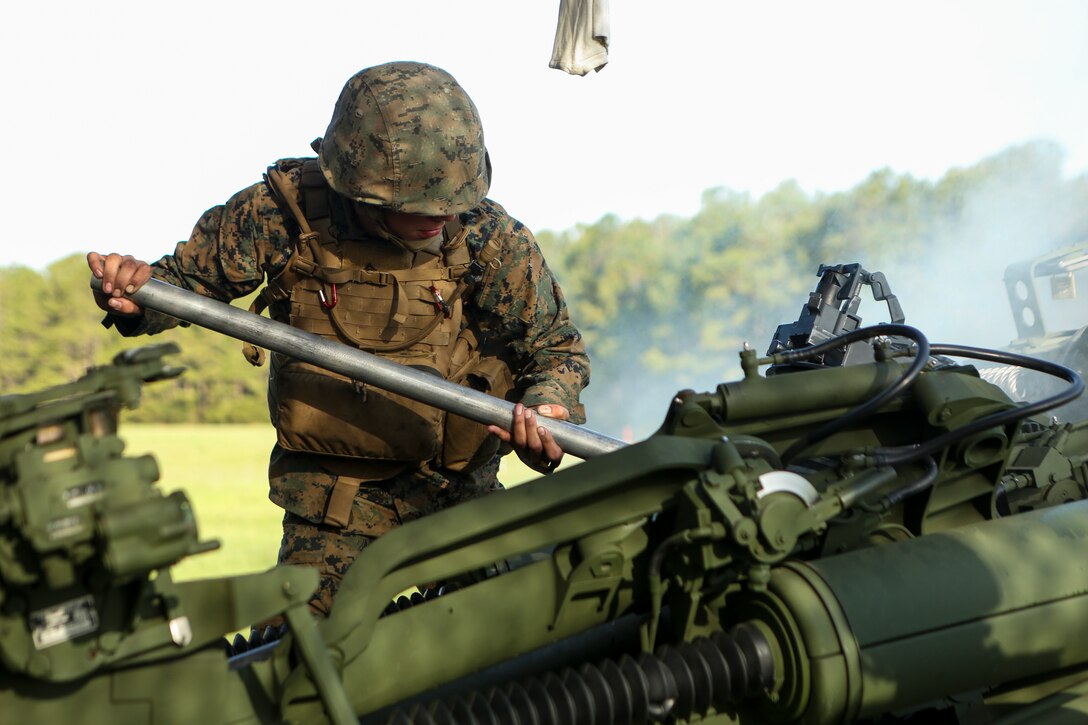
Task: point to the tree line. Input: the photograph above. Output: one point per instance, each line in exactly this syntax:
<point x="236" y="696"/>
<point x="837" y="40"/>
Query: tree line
<point x="664" y="304"/>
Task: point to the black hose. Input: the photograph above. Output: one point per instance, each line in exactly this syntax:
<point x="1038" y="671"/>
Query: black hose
<point x="870" y="406"/>
<point x="895" y="456"/>
<point x="999" y="494"/>
<point x="906" y="491"/>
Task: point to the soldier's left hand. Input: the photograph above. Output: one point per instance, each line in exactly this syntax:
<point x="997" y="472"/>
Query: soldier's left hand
<point x="532" y="442"/>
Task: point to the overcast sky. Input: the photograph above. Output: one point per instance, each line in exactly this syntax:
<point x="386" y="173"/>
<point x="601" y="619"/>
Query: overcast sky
<point x="123" y="121"/>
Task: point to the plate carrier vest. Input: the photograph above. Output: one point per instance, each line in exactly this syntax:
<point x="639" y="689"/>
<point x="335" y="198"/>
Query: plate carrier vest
<point x="413" y="316"/>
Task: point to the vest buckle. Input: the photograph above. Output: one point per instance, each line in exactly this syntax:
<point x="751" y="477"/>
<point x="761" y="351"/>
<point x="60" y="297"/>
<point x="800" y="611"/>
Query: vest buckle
<point x="440" y="305"/>
<point x="324" y="301"/>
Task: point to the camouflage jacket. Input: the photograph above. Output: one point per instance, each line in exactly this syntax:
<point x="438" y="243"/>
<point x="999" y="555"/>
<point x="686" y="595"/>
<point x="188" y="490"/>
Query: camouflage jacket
<point x="518" y="305"/>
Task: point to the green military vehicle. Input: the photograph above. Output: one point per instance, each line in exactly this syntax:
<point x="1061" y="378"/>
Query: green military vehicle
<point x="860" y="529"/>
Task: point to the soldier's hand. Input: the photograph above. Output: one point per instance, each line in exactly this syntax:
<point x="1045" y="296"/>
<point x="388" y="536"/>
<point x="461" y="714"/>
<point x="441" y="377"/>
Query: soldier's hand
<point x="532" y="442"/>
<point x="120" y="274"/>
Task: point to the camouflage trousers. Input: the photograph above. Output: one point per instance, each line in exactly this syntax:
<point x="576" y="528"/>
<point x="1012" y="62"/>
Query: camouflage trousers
<point x="310" y="539"/>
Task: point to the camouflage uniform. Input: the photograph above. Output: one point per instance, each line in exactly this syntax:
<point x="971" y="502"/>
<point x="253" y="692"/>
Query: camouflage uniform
<point x="517" y="308"/>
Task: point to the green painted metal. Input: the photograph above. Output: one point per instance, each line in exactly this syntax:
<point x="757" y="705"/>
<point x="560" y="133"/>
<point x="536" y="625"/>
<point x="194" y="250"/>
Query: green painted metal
<point x="881" y="629"/>
<point x="1004" y="597"/>
<point x="692" y="577"/>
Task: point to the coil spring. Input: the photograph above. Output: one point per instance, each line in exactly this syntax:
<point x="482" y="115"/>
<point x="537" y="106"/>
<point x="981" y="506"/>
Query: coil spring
<point x="241" y="644"/>
<point x="674" y="682"/>
<point x="258" y="638"/>
<point x="406" y="602"/>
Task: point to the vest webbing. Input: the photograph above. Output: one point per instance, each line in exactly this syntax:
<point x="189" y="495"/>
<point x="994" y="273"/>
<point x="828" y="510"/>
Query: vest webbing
<point x="410" y="335"/>
<point x="408" y="309"/>
<point x="310" y="259"/>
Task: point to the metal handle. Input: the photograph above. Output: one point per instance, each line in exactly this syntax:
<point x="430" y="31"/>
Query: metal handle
<point x="356" y="364"/>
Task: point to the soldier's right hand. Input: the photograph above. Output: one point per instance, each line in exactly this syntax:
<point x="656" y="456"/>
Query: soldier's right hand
<point x="120" y="274"/>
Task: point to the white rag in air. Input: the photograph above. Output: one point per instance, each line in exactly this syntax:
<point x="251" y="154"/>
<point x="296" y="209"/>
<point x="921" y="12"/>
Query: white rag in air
<point x="581" y="38"/>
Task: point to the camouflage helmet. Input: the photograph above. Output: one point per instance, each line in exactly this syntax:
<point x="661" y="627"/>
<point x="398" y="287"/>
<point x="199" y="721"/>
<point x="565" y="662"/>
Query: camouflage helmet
<point x="405" y="136"/>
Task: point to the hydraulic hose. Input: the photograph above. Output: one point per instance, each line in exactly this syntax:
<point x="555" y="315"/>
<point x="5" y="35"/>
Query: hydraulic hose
<point x="894" y="456"/>
<point x="921" y="358"/>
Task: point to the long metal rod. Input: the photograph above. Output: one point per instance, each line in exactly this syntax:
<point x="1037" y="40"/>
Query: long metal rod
<point x="356" y="364"/>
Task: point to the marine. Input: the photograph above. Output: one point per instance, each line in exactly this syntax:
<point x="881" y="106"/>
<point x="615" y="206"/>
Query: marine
<point x="385" y="241"/>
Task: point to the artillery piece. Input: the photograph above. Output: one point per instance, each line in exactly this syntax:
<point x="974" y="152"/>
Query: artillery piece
<point x="870" y="533"/>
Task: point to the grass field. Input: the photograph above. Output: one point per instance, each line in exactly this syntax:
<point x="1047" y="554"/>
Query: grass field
<point x="224" y="471"/>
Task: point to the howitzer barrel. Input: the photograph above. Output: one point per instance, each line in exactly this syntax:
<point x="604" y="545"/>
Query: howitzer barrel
<point x="885" y="628"/>
<point x="356" y="364"/>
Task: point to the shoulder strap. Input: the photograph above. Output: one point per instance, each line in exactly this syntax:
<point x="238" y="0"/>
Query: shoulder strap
<point x="304" y="261"/>
<point x="314" y="190"/>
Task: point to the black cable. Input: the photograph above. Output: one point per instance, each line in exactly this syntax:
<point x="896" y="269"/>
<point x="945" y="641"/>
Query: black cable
<point x="999" y="494"/>
<point x="906" y="491"/>
<point x="870" y="406"/>
<point x="915" y="487"/>
<point x="895" y="456"/>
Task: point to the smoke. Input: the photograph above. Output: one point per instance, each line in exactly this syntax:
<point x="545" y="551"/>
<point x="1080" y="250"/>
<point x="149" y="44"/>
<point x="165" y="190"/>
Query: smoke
<point x="1008" y="208"/>
<point x="1012" y="207"/>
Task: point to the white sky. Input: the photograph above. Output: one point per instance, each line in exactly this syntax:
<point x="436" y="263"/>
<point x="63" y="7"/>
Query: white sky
<point x="123" y="121"/>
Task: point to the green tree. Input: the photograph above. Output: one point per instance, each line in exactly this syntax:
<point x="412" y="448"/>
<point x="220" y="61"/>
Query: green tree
<point x="664" y="304"/>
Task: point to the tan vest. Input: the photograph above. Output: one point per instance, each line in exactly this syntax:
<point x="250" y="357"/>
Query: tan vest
<point x="399" y="305"/>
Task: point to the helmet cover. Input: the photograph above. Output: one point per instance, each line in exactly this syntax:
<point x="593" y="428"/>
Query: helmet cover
<point x="405" y="136"/>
